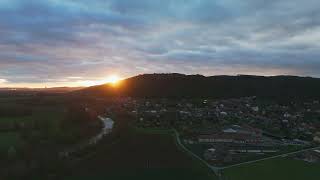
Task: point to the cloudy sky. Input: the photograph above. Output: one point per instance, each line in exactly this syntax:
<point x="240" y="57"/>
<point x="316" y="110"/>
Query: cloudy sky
<point x="80" y="42"/>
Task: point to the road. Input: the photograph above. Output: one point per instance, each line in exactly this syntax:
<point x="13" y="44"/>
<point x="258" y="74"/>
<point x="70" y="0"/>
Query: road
<point x="212" y="168"/>
<point x="217" y="170"/>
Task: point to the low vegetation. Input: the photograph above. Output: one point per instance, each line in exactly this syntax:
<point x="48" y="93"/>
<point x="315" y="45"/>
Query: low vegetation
<point x="280" y="168"/>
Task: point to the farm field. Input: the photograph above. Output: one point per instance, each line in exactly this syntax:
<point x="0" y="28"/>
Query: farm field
<point x="50" y="113"/>
<point x="276" y="169"/>
<point x="45" y="116"/>
<point x="138" y="154"/>
<point x="7" y="140"/>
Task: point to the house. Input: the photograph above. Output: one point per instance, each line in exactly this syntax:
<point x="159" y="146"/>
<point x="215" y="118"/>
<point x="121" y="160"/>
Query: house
<point x="229" y="138"/>
<point x="224" y="113"/>
<point x="244" y="130"/>
<point x="286" y="115"/>
<point x="317" y="138"/>
<point x="312" y="156"/>
<point x="255" y="109"/>
<point x="251" y="130"/>
<point x="229" y="130"/>
<point x="216" y="138"/>
<point x="252" y="149"/>
<point x="209" y="154"/>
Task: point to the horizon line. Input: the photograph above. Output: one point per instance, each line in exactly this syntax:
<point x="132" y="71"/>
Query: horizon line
<point x="44" y="86"/>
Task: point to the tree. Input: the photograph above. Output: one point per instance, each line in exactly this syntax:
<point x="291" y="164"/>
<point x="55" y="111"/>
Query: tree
<point x="12" y="153"/>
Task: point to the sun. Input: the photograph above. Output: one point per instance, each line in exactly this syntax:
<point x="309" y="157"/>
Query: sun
<point x="113" y="79"/>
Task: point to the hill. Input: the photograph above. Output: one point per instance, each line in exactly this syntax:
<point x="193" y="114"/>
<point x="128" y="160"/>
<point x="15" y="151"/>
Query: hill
<point x="196" y="86"/>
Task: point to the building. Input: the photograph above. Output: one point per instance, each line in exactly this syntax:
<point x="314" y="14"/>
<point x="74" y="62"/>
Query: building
<point x="244" y="130"/>
<point x="316" y="139"/>
<point x="209" y="154"/>
<point x="252" y="149"/>
<point x="312" y="156"/>
<point x="230" y="138"/>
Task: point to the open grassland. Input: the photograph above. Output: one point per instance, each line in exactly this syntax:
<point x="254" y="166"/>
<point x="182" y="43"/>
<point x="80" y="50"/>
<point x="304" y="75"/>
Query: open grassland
<point x="142" y="156"/>
<point x="139" y="154"/>
<point x="7" y="140"/>
<point x="276" y="169"/>
<point x="38" y="112"/>
<point x="43" y="119"/>
<point x="146" y="174"/>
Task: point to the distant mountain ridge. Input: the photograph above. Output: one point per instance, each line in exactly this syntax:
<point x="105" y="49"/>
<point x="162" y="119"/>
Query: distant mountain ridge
<point x="196" y="86"/>
<point x="51" y="89"/>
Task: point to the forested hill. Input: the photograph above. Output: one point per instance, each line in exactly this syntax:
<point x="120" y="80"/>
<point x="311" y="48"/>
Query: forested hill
<point x="194" y="86"/>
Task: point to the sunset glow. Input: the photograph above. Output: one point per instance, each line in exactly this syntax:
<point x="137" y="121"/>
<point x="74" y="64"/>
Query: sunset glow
<point x="75" y="43"/>
<point x="112" y="79"/>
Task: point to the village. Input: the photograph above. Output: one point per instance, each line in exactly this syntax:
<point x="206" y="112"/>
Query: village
<point x="225" y="132"/>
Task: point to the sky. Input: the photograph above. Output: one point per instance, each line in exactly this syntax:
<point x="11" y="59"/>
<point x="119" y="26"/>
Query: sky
<point x="80" y="42"/>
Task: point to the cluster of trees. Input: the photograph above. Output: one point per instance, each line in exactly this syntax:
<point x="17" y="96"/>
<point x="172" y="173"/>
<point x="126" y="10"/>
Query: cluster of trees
<point x="80" y="122"/>
<point x="43" y="140"/>
<point x="15" y="111"/>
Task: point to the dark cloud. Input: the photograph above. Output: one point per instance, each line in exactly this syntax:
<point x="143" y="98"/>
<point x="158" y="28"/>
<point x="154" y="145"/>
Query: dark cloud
<point x="48" y="40"/>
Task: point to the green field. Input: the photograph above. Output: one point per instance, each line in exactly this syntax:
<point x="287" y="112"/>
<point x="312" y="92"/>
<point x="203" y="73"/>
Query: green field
<point x="275" y="169"/>
<point x="50" y="115"/>
<point x="45" y="119"/>
<point x="146" y="174"/>
<point x="140" y="154"/>
<point x="7" y="140"/>
<point x="39" y="112"/>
